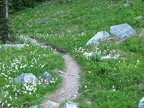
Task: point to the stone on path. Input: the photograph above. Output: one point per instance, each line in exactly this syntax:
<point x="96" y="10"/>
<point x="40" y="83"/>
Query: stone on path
<point x="50" y="104"/>
<point x="99" y="36"/>
<point x="141" y="103"/>
<point x="26" y="78"/>
<point x="70" y="105"/>
<point x="122" y="30"/>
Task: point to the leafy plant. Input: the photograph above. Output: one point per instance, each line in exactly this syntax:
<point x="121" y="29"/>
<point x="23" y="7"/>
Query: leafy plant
<point x="103" y="68"/>
<point x="17" y="5"/>
<point x="95" y="57"/>
<point x="30" y="59"/>
<point x="113" y="83"/>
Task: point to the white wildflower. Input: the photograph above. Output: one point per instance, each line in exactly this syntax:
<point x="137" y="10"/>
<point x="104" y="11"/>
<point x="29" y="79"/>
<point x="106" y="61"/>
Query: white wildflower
<point x="138" y="61"/>
<point x="87" y="54"/>
<point x="113" y="88"/>
<point x="8" y="105"/>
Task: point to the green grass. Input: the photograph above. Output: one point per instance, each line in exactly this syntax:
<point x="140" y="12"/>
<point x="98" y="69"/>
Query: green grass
<point x="30" y="59"/>
<point x="112" y="83"/>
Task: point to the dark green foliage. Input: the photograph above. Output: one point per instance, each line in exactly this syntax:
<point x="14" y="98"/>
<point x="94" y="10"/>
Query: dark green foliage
<point x="134" y="44"/>
<point x="4" y="23"/>
<point x="103" y="68"/>
<point x="63" y="1"/>
<point x="4" y="28"/>
<point x="111" y="83"/>
<point x="17" y="5"/>
<point x="95" y="57"/>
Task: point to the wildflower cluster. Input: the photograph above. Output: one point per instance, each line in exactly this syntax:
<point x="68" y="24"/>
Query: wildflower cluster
<point x="104" y="54"/>
<point x="12" y="93"/>
<point x="30" y="59"/>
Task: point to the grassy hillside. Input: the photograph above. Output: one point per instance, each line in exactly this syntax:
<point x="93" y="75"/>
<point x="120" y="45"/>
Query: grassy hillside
<point x="30" y="59"/>
<point x="112" y="83"/>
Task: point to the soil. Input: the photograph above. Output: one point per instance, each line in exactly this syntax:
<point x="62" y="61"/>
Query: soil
<point x="70" y="84"/>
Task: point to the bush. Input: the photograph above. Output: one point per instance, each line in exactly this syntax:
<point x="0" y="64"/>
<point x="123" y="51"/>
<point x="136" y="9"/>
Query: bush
<point x="17" y="5"/>
<point x="103" y="68"/>
<point x="135" y="44"/>
<point x="95" y="57"/>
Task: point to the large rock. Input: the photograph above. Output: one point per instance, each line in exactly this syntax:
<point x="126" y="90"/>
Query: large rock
<point x="26" y="78"/>
<point x="70" y="105"/>
<point x="46" y="75"/>
<point x="141" y="103"/>
<point x="99" y="36"/>
<point x="122" y="30"/>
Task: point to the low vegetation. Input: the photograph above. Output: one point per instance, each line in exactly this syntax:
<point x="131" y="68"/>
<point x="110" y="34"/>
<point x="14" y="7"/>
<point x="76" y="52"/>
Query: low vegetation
<point x="30" y="59"/>
<point x="111" y="73"/>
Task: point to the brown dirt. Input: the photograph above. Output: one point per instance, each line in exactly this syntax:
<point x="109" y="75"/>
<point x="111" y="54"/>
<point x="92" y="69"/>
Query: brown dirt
<point x="70" y="84"/>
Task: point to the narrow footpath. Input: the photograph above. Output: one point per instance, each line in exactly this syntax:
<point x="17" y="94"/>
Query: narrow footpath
<point x="70" y="85"/>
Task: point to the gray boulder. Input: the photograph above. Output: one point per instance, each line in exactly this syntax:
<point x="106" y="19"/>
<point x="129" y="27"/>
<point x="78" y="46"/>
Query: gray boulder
<point x="46" y="75"/>
<point x="70" y="105"/>
<point x="99" y="36"/>
<point x="141" y="103"/>
<point x="122" y="30"/>
<point x="26" y="78"/>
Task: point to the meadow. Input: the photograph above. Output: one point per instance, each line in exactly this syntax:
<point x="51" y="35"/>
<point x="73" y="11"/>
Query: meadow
<point x="111" y="73"/>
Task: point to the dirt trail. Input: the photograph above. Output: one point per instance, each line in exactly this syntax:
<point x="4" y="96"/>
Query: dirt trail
<point x="70" y="84"/>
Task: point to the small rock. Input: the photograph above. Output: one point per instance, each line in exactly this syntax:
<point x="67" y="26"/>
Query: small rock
<point x="99" y="36"/>
<point x="46" y="75"/>
<point x="122" y="30"/>
<point x="26" y="78"/>
<point x="36" y="106"/>
<point x="12" y="45"/>
<point x="50" y="104"/>
<point x="70" y="105"/>
<point x="126" y="5"/>
<point x="141" y="103"/>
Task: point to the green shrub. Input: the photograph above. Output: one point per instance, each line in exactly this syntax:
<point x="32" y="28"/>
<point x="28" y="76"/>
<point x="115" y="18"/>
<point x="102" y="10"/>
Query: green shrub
<point x="17" y="5"/>
<point x="103" y="68"/>
<point x="95" y="57"/>
<point x="134" y="44"/>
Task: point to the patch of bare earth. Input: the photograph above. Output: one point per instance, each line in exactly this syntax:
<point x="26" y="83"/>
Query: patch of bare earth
<point x="70" y="84"/>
